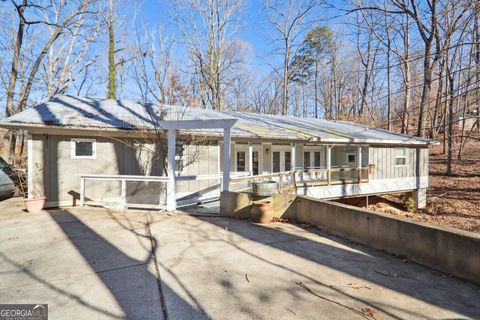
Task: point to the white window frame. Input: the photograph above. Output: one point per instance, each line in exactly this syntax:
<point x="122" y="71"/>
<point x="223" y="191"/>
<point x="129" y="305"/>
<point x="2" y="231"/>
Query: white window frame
<point x="351" y="154"/>
<point x="246" y="159"/>
<point x="312" y="150"/>
<point x="282" y="149"/>
<point x="255" y="147"/>
<point x="310" y="155"/>
<point x="73" y="149"/>
<point x="400" y="157"/>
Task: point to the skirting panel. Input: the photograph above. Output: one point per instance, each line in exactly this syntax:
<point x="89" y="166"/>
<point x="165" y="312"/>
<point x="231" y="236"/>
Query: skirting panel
<point x="372" y="187"/>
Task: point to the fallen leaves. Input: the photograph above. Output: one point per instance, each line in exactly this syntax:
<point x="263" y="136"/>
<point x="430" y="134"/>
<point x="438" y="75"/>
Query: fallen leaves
<point x="370" y="313"/>
<point x="453" y="201"/>
<point x="357" y="286"/>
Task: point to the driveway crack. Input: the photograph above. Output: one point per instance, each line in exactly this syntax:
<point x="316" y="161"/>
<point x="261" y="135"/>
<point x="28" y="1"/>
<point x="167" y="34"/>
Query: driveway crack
<point x="153" y="246"/>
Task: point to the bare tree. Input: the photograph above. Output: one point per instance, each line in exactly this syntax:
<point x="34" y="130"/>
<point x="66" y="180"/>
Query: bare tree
<point x="289" y="19"/>
<point x="69" y="54"/>
<point x="69" y="17"/>
<point x="207" y="29"/>
<point x="112" y="79"/>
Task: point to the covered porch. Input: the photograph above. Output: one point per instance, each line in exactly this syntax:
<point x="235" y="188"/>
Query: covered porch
<point x="299" y="165"/>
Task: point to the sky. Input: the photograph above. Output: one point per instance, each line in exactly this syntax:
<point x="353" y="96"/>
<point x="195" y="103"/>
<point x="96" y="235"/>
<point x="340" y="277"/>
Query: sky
<point x="253" y="28"/>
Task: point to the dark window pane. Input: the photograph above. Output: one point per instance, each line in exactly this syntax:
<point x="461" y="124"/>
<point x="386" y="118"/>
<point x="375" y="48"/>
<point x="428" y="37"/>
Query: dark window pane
<point x="83" y="148"/>
<point x="241" y="161"/>
<point x="255" y="163"/>
<point x="317" y="159"/>
<point x="351" y="158"/>
<point x="306" y="160"/>
<point x="400" y="161"/>
<point x="288" y="161"/>
<point x="276" y="161"/>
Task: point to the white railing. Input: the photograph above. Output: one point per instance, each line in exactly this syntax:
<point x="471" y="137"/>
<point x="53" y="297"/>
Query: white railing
<point x="123" y="193"/>
<point x="185" y="199"/>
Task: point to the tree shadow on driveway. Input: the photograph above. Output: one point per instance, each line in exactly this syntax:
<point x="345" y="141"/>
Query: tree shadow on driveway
<point x="371" y="265"/>
<point x="135" y="288"/>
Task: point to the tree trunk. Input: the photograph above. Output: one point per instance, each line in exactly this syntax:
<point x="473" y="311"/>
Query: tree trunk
<point x="389" y="84"/>
<point x="427" y="85"/>
<point x="111" y="56"/>
<point x="10" y="110"/>
<point x="450" y="123"/>
<point x="316" y="87"/>
<point x="285" y="78"/>
<point x="406" y="78"/>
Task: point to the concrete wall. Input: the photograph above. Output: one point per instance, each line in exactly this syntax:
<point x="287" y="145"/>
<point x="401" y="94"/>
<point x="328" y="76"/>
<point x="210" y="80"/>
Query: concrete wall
<point x="445" y="249"/>
<point x="238" y="205"/>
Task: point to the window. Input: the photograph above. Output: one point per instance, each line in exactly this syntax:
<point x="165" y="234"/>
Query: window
<point x="351" y="157"/>
<point x="276" y="161"/>
<point x="288" y="161"/>
<point x="400" y="156"/>
<point x="255" y="162"/>
<point x="83" y="148"/>
<point x="241" y="161"/>
<point x="317" y="159"/>
<point x="306" y="159"/>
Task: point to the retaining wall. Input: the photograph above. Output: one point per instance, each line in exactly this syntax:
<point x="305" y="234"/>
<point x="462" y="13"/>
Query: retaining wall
<point x="445" y="249"/>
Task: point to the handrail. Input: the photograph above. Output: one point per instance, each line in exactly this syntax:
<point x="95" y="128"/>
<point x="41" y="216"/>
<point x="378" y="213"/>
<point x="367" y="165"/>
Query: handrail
<point x="283" y="173"/>
<point x="123" y="177"/>
<point x="293" y="180"/>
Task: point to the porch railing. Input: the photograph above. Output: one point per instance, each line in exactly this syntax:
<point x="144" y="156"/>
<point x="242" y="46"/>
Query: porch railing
<point x="182" y="199"/>
<point x="290" y="180"/>
<point x="123" y="179"/>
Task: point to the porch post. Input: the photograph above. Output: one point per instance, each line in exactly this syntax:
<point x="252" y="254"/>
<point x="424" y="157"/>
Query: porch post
<point x="250" y="158"/>
<point x="82" y="188"/>
<point x="359" y="163"/>
<point x="293" y="149"/>
<point x="30" y="170"/>
<point x="123" y="197"/>
<point x="171" y="197"/>
<point x="226" y="159"/>
<point x="329" y="163"/>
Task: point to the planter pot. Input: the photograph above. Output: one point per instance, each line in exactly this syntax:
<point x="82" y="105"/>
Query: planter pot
<point x="35" y="205"/>
<point x="262" y="211"/>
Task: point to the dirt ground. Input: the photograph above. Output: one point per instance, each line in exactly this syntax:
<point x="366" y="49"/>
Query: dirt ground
<point x="453" y="201"/>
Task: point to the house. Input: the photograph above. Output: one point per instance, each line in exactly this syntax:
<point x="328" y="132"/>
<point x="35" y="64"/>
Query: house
<point x="469" y="120"/>
<point x="123" y="153"/>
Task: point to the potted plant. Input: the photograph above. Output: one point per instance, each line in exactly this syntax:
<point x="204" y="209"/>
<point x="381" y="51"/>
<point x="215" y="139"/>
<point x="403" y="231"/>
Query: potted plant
<point x="36" y="202"/>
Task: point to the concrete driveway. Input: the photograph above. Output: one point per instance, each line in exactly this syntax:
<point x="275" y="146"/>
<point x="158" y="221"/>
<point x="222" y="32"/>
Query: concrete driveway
<point x="102" y="264"/>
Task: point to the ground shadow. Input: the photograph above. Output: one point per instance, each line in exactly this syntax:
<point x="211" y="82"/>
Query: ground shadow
<point x="137" y="291"/>
<point x="368" y="264"/>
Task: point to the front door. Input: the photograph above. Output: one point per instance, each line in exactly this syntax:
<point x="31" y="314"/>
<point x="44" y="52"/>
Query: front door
<point x="281" y="161"/>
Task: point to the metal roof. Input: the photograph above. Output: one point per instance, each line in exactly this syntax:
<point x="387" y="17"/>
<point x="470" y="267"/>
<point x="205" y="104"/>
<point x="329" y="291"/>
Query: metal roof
<point x="89" y="113"/>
